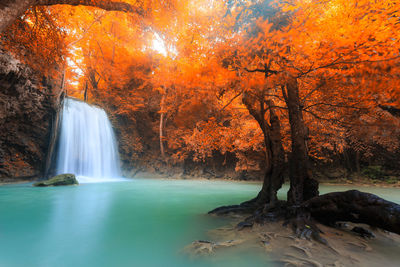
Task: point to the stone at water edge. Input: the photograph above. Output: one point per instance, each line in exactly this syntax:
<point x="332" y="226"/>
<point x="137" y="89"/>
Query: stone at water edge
<point x="62" y="179"/>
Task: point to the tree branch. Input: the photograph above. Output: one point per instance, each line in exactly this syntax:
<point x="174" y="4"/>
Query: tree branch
<point x="266" y="71"/>
<point x="236" y="96"/>
<point x="103" y="4"/>
<point x="391" y="109"/>
<point x="349" y="62"/>
<point x="333" y="105"/>
<point x="10" y="10"/>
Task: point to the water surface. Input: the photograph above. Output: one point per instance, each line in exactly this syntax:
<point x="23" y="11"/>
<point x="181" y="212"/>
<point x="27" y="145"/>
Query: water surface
<point x="132" y="223"/>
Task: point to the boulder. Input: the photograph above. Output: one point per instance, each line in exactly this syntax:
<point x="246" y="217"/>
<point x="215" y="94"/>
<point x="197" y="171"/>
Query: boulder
<point x="62" y="179"/>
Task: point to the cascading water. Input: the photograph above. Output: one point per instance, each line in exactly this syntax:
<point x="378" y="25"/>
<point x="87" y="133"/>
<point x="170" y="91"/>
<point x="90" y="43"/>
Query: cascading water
<point x="87" y="145"/>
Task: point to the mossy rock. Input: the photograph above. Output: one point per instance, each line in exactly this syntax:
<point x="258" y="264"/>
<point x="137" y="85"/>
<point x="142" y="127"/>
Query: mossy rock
<point x="62" y="179"/>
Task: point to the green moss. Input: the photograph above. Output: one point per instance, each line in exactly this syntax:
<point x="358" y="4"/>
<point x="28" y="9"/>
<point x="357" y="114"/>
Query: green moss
<point x="374" y="172"/>
<point x="62" y="179"/>
<point x="392" y="179"/>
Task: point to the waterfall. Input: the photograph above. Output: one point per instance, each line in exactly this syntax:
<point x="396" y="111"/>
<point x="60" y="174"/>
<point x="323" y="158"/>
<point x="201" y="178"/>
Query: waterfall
<point x="87" y="145"/>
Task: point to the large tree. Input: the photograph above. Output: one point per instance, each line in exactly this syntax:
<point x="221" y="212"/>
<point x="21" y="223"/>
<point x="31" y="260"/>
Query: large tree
<point x="300" y="46"/>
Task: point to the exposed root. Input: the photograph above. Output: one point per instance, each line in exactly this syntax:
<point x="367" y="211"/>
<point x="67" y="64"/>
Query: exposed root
<point x="202" y="247"/>
<point x="332" y="209"/>
<point x="304" y="228"/>
<point x="304" y="250"/>
<point x="235" y="209"/>
<point x="355" y="206"/>
<point x="244" y="224"/>
<point x="298" y="261"/>
<point x="361" y="245"/>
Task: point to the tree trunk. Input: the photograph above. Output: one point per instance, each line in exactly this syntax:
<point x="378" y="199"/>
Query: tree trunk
<point x="302" y="186"/>
<point x="162" y="114"/>
<point x="357" y="159"/>
<point x="275" y="157"/>
<point x="273" y="179"/>
<point x="85" y="93"/>
<point x="347" y="161"/>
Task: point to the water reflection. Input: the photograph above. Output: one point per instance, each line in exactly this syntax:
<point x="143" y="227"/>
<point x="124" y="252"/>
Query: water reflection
<point x="76" y="223"/>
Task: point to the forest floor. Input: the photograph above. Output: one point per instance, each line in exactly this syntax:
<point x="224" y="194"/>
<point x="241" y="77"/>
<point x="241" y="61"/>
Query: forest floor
<point x="362" y="181"/>
<point x="345" y="248"/>
<point x="14" y="181"/>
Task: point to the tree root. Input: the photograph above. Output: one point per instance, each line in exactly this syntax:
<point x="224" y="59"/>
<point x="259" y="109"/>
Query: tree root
<point x="297" y="261"/>
<point x="247" y="207"/>
<point x="328" y="209"/>
<point x="232" y="209"/>
<point x="356" y="207"/>
<point x="305" y="228"/>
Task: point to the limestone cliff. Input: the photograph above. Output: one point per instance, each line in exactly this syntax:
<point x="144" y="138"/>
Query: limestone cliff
<point x="28" y="106"/>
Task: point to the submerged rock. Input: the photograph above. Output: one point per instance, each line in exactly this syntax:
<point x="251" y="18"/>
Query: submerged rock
<point x="62" y="179"/>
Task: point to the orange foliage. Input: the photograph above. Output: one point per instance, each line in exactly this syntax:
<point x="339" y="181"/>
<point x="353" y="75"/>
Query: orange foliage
<point x="192" y="60"/>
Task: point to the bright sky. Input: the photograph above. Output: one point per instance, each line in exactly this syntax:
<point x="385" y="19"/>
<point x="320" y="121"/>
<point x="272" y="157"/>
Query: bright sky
<point x="158" y="45"/>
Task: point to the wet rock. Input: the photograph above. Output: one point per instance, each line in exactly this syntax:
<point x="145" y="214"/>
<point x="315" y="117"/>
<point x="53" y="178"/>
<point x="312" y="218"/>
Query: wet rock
<point x="62" y="179"/>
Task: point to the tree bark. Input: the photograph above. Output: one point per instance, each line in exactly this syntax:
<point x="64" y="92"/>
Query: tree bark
<point x="302" y="186"/>
<point x="162" y="150"/>
<point x="85" y="93"/>
<point x="10" y="10"/>
<point x="273" y="179"/>
<point x="275" y="157"/>
<point x="357" y="159"/>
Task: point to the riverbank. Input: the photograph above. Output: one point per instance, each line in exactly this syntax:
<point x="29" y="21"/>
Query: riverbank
<point x="345" y="248"/>
<point x="355" y="181"/>
<point x="15" y="181"/>
<point x="362" y="182"/>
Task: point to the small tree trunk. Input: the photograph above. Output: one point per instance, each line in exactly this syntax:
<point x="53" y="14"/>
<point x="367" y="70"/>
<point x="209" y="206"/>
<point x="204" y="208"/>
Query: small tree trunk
<point x="302" y="186"/>
<point x="358" y="169"/>
<point x="347" y="160"/>
<point x="85" y="94"/>
<point x="63" y="82"/>
<point x="162" y="114"/>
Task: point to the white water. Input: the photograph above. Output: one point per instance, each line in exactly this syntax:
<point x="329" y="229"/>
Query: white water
<point x="87" y="146"/>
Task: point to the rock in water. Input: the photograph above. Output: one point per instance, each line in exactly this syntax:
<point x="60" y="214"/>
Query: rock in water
<point x="62" y="179"/>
